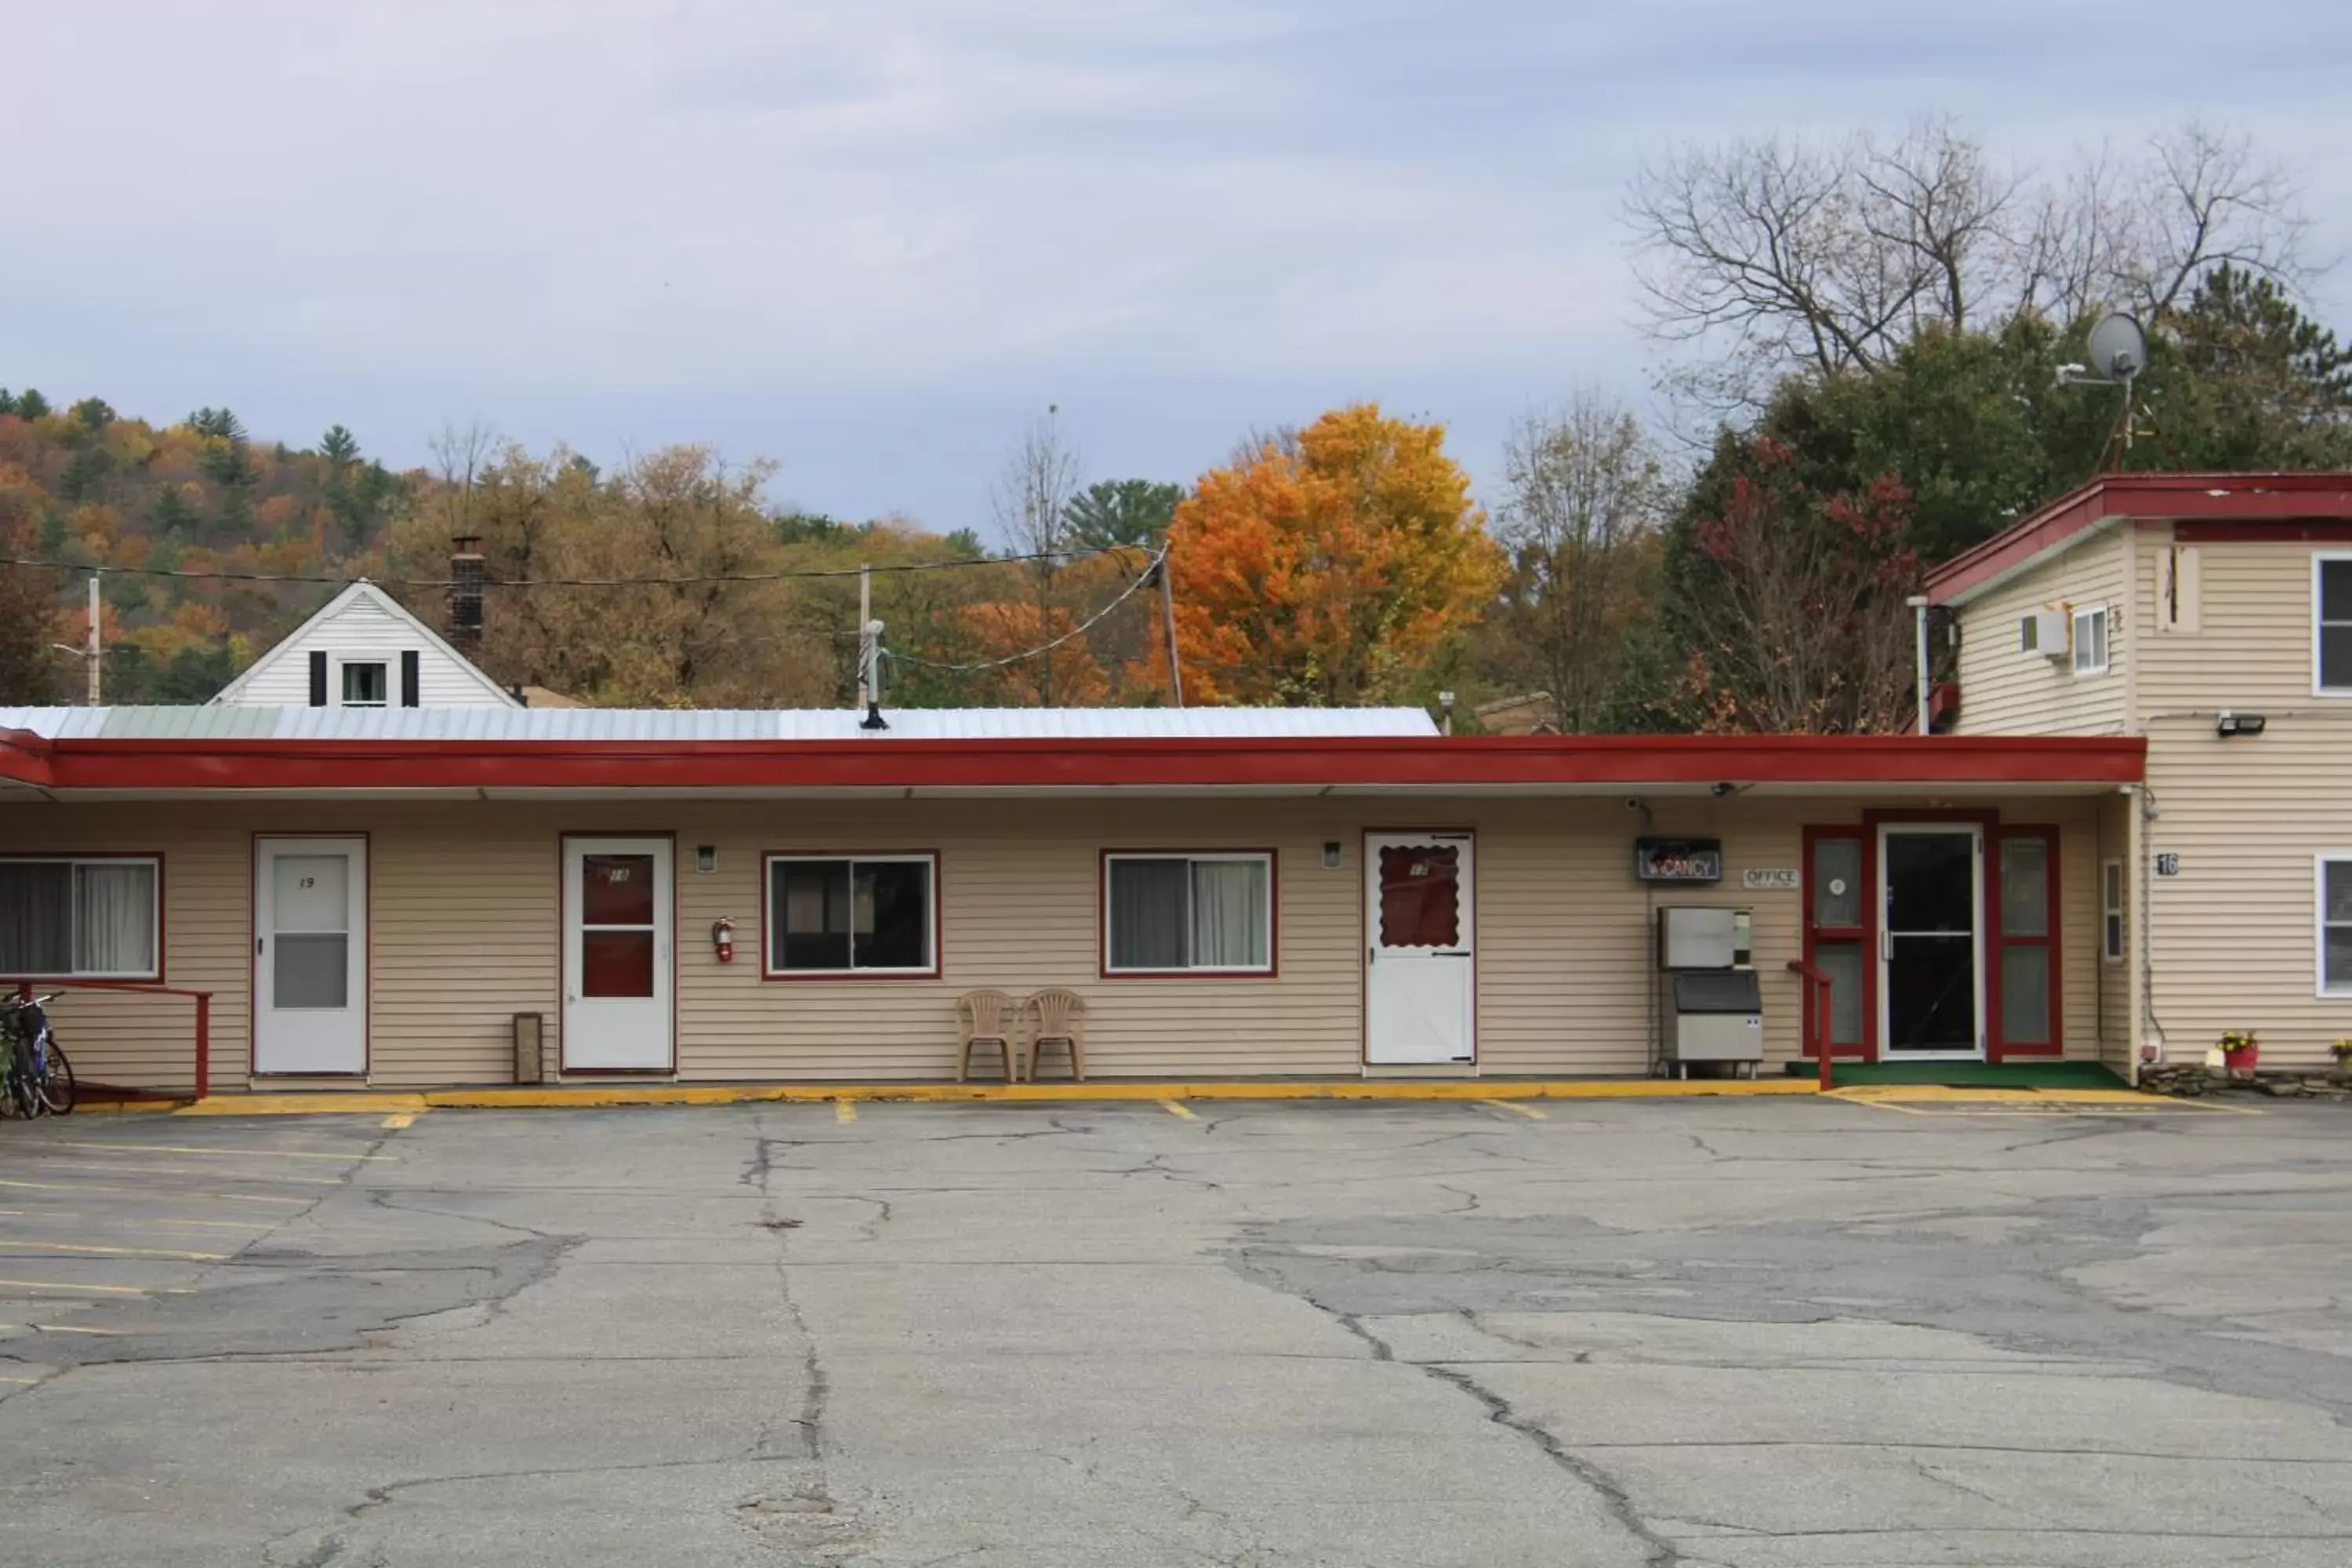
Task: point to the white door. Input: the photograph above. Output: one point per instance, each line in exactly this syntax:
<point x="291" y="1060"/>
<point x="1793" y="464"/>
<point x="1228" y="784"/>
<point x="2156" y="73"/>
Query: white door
<point x="1419" y="968"/>
<point x="1931" y="982"/>
<point x="616" y="954"/>
<point x="309" y="955"/>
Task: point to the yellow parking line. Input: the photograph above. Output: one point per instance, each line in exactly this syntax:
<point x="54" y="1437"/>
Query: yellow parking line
<point x="1529" y="1111"/>
<point x="210" y="1173"/>
<point x="27" y="1382"/>
<point x="92" y="1290"/>
<point x="396" y="1120"/>
<point x="143" y="1193"/>
<point x="11" y="1244"/>
<point x="198" y="1148"/>
<point x="843" y="1111"/>
<point x="70" y="1329"/>
<point x="1172" y="1108"/>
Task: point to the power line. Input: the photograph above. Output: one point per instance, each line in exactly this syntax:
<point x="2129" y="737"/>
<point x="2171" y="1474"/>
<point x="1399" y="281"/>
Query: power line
<point x="1159" y="562"/>
<point x="683" y="580"/>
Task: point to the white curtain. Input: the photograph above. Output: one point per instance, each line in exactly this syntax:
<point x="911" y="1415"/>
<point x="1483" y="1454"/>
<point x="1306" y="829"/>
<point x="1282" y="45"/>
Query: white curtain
<point x="1229" y="914"/>
<point x="114" y="919"/>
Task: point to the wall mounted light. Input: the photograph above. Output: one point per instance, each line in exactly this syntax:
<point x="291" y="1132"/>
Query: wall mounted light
<point x="1330" y="854"/>
<point x="706" y="856"/>
<point x="2229" y="724"/>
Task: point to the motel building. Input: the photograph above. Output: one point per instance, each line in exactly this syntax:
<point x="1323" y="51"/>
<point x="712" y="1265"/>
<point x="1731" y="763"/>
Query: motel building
<point x="382" y="869"/>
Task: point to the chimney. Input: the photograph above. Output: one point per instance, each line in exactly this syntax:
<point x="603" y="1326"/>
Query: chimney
<point x="468" y="570"/>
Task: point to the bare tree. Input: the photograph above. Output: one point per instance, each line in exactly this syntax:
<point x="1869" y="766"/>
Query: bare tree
<point x="1032" y="504"/>
<point x="1827" y="257"/>
<point x="1586" y="495"/>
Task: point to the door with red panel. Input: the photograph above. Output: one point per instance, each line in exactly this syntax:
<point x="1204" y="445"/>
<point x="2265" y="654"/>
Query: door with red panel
<point x="617" y="936"/>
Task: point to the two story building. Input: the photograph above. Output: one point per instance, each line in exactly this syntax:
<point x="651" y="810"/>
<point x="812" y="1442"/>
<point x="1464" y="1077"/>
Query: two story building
<point x="2211" y="616"/>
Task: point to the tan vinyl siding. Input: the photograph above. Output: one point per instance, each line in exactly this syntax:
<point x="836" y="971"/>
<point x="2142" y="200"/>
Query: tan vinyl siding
<point x="2006" y="692"/>
<point x="2253" y="649"/>
<point x="464" y="930"/>
<point x="2235" y="932"/>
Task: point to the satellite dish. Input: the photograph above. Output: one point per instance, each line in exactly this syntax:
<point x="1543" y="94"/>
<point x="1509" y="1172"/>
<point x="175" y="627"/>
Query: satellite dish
<point x="2119" y="347"/>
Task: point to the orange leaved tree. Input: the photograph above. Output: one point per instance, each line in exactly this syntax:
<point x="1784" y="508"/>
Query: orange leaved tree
<point x="1328" y="569"/>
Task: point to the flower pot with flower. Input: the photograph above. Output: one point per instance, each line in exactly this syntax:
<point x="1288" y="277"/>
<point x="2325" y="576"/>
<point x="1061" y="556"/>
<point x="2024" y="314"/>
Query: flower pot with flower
<point x="2240" y="1052"/>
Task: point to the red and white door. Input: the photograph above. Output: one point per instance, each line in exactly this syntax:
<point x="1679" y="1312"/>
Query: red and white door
<point x="309" y="955"/>
<point x="1420" y="961"/>
<point x="616" y="954"/>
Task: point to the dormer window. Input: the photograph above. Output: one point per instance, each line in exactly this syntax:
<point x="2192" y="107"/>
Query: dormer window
<point x="366" y="685"/>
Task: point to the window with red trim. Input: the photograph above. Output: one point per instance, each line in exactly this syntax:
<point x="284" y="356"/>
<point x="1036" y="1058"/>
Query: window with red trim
<point x="1836" y="937"/>
<point x="2024" y="949"/>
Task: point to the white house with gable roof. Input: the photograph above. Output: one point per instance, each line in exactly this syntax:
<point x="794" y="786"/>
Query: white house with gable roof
<point x="362" y="649"/>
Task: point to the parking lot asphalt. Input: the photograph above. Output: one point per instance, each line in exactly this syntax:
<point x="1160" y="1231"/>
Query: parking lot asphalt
<point x="1702" y="1333"/>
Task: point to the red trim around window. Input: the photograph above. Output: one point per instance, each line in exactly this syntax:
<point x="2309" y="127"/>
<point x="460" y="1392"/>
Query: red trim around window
<point x="768" y="858"/>
<point x="1998" y="1048"/>
<point x="1865" y="936"/>
<point x="1272" y="970"/>
<point x="162" y="958"/>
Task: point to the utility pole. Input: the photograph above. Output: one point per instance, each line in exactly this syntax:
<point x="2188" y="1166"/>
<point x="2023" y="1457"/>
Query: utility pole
<point x="89" y="643"/>
<point x="865" y="637"/>
<point x="1167" y="625"/>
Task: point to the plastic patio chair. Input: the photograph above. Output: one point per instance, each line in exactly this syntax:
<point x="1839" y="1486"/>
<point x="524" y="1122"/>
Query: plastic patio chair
<point x="1057" y="1017"/>
<point x="988" y="1018"/>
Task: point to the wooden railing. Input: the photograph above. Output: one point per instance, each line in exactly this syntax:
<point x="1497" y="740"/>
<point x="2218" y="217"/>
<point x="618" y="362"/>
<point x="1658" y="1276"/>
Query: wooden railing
<point x="26" y="989"/>
<point x="1820" y="1010"/>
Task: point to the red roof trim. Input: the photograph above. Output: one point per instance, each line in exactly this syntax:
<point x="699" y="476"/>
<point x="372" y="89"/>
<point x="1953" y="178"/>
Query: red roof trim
<point x="2252" y="498"/>
<point x="314" y="764"/>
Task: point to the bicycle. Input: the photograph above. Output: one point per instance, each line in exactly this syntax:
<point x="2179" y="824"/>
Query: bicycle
<point x="39" y="1077"/>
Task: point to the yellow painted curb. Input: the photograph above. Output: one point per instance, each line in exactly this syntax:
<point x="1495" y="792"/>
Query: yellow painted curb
<point x="592" y="1096"/>
<point x="365" y="1102"/>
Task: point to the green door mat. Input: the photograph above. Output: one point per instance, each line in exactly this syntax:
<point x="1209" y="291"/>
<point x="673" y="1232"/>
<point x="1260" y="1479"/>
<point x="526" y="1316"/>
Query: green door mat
<point x="1972" y="1075"/>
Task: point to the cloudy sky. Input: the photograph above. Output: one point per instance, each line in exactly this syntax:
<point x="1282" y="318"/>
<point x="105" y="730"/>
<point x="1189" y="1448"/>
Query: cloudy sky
<point x="872" y="240"/>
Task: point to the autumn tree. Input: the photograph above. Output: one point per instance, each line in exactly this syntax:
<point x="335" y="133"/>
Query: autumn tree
<point x="1032" y="504"/>
<point x="1585" y="493"/>
<point x="1332" y="576"/>
<point x="30" y="671"/>
<point x="1792" y="617"/>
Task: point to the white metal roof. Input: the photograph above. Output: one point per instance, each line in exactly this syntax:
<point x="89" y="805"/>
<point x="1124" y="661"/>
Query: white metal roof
<point x="831" y="724"/>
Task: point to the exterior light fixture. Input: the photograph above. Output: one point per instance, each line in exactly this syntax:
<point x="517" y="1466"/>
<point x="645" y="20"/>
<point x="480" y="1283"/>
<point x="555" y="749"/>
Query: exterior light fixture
<point x="2229" y="724"/>
<point x="1330" y="854"/>
<point x="706" y="856"/>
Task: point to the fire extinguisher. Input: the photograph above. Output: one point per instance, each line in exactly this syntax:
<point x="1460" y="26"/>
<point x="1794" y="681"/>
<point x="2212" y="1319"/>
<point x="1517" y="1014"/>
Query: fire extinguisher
<point x="722" y="940"/>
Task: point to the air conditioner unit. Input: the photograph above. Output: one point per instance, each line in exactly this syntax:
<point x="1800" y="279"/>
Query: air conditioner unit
<point x="2045" y="632"/>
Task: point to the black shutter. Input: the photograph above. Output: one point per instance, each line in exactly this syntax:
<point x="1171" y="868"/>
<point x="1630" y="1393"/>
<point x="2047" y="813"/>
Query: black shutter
<point x="318" y="680"/>
<point x="409" y="677"/>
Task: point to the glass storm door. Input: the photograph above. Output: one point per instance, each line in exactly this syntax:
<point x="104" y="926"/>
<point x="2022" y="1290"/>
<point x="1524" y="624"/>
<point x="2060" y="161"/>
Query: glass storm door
<point x="309" y="955"/>
<point x="1420" y="967"/>
<point x="1930" y="945"/>
<point x="616" y="954"/>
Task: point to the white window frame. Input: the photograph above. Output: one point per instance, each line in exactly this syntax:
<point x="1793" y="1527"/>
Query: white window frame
<point x="1191" y="858"/>
<point x="155" y="916"/>
<point x="2320" y="922"/>
<point x="772" y="918"/>
<point x="343" y="681"/>
<point x="2078" y="615"/>
<point x="2319" y="561"/>
<point x="2114" y="922"/>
